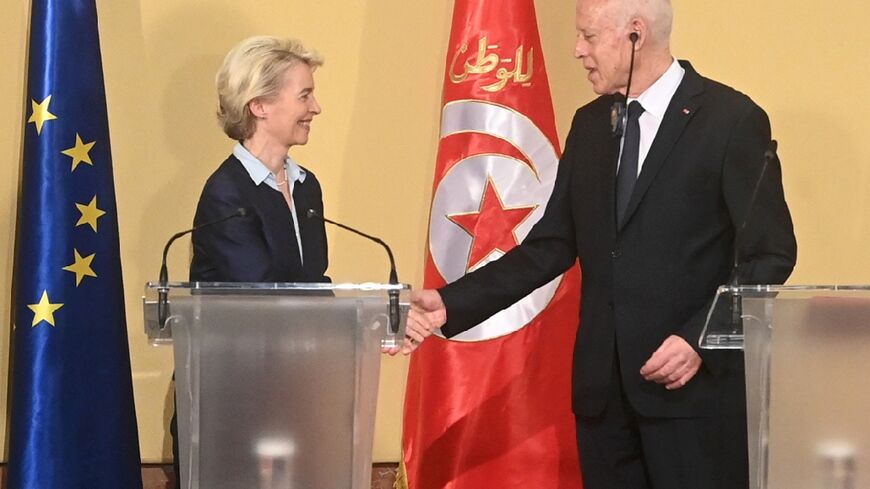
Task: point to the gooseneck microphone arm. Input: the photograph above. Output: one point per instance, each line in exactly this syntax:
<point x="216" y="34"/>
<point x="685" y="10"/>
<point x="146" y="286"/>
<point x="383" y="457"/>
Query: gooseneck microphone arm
<point x="394" y="279"/>
<point x="769" y="155"/>
<point x="162" y="291"/>
<point x="739" y="233"/>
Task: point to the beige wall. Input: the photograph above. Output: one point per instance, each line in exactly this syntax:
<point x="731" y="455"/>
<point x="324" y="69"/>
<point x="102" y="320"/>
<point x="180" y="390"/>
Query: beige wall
<point x="373" y="147"/>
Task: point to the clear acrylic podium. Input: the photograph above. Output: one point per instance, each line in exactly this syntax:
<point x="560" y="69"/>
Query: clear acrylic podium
<point x="807" y="358"/>
<point x="276" y="383"/>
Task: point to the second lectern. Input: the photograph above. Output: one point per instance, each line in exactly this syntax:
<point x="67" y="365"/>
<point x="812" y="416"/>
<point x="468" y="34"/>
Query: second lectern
<point x="805" y="350"/>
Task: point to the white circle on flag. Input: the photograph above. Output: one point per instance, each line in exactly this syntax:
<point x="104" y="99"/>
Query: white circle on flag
<point x="518" y="184"/>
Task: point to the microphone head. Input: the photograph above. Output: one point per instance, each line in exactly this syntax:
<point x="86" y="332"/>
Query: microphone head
<point x="617" y="118"/>
<point x="770" y="154"/>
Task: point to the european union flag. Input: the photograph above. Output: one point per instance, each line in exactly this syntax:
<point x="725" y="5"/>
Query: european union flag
<point x="73" y="422"/>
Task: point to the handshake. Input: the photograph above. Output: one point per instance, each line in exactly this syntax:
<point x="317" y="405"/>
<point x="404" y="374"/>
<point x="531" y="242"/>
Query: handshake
<point x="427" y="314"/>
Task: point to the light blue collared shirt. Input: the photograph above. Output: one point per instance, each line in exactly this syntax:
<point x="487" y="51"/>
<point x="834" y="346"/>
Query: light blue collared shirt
<point x="260" y="174"/>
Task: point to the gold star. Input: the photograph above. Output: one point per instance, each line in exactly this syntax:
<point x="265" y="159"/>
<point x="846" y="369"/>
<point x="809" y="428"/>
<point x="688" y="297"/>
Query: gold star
<point x="40" y="113"/>
<point x="43" y="310"/>
<point x="79" y="153"/>
<point x="90" y="213"/>
<point x="81" y="267"/>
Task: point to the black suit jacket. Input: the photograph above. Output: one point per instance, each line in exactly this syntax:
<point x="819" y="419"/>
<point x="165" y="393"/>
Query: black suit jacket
<point x="262" y="246"/>
<point x="656" y="276"/>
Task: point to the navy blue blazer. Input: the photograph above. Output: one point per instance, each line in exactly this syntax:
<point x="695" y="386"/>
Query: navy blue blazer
<point x="260" y="247"/>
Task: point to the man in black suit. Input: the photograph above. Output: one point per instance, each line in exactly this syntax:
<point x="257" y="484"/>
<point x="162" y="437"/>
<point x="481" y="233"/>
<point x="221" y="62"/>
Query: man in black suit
<point x="653" y="216"/>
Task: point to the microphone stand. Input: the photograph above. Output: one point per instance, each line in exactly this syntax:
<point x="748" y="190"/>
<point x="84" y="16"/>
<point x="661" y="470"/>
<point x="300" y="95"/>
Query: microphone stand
<point x="734" y="281"/>
<point x="163" y="280"/>
<point x="393" y="295"/>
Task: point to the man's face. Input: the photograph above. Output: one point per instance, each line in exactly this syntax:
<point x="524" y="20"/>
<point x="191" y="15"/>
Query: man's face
<point x="602" y="45"/>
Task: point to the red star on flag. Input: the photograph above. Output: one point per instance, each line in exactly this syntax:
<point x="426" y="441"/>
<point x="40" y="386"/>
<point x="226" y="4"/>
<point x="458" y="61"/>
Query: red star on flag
<point x="492" y="227"/>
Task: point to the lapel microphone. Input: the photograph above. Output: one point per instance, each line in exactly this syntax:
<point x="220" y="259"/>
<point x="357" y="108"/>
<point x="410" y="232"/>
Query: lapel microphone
<point x="618" y="111"/>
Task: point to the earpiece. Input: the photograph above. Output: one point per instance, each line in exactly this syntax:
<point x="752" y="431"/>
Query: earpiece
<point x="633" y="37"/>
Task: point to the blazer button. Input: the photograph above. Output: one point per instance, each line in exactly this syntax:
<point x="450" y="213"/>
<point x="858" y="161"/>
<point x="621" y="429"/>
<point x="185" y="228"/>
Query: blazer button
<point x="616" y="253"/>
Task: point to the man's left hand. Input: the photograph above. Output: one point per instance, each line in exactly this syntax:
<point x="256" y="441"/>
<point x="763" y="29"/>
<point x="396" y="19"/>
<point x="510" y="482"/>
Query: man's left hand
<point x="673" y="364"/>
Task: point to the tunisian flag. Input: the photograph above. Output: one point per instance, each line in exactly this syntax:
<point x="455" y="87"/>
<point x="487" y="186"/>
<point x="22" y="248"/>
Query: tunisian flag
<point x="491" y="408"/>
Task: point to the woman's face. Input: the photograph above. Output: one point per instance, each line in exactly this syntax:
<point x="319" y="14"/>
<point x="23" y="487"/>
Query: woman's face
<point x="286" y="119"/>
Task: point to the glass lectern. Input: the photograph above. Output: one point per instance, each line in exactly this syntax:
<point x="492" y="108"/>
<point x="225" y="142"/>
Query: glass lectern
<point x="276" y="383"/>
<point x="807" y="357"/>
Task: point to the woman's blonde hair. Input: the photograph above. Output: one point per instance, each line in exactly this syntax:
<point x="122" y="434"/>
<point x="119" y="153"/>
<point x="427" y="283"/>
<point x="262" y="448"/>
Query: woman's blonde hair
<point x="255" y="69"/>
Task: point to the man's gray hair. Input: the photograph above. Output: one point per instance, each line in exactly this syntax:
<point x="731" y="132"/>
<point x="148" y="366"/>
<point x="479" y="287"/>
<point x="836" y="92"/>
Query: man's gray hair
<point x="658" y="14"/>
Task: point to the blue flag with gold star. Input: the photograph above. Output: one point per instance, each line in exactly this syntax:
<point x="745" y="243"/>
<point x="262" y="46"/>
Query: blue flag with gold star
<point x="73" y="422"/>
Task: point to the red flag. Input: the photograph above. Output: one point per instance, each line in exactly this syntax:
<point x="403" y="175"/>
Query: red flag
<point x="491" y="408"/>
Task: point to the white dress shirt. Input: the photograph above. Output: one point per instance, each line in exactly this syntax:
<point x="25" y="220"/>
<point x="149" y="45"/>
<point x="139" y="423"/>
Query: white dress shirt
<point x="655" y="101"/>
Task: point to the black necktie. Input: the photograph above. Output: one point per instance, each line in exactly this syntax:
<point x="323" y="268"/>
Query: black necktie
<point x="627" y="175"/>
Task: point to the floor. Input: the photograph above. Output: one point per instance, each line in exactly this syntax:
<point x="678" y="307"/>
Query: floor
<point x="161" y="477"/>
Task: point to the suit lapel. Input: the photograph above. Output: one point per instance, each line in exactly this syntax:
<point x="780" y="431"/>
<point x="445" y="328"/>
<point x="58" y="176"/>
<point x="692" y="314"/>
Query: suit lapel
<point x="603" y="145"/>
<point x="611" y="154"/>
<point x="304" y="200"/>
<point x="279" y="232"/>
<point x="686" y="101"/>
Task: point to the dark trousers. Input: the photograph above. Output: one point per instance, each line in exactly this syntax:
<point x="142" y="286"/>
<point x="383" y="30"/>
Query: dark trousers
<point x="623" y="450"/>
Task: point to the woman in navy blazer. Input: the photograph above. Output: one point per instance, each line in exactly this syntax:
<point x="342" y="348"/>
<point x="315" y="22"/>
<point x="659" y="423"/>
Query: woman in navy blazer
<point x="266" y="103"/>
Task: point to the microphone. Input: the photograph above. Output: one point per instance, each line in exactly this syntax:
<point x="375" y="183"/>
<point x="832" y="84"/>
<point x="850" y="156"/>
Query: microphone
<point x="162" y="291"/>
<point x="394" y="279"/>
<point x="734" y="281"/>
<point x="618" y="111"/>
<point x="769" y="155"/>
